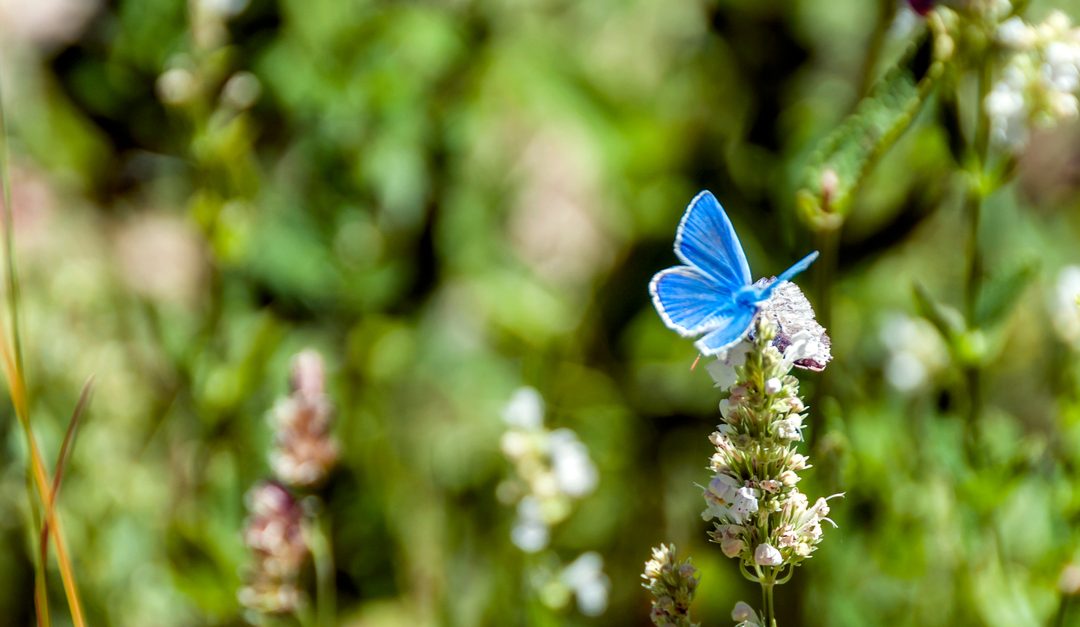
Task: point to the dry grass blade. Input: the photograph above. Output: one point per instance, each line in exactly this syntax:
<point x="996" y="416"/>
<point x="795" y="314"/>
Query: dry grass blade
<point x="16" y="379"/>
<point x="61" y="462"/>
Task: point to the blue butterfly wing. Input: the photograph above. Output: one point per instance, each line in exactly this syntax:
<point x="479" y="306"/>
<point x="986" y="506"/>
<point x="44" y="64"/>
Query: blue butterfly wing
<point x="732" y="327"/>
<point x="707" y="241"/>
<point x="689" y="302"/>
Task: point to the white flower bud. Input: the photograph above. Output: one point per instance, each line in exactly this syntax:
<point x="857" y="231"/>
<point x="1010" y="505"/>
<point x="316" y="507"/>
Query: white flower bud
<point x="789" y="478"/>
<point x="743" y="613"/>
<point x="652" y="569"/>
<point x="797" y="461"/>
<point x="767" y="555"/>
<point x="1015" y="33"/>
<point x="176" y="86"/>
<point x="773" y="386"/>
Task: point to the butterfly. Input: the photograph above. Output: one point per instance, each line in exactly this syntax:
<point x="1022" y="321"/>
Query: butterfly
<point x="713" y="295"/>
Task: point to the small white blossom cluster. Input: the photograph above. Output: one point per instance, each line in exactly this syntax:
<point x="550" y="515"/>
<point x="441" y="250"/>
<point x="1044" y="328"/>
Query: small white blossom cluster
<point x="1039" y="83"/>
<point x="585" y="579"/>
<point x="760" y="516"/>
<point x="552" y="469"/>
<point x="672" y="585"/>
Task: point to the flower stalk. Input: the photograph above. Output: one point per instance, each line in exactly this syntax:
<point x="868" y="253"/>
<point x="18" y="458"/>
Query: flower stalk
<point x="285" y="528"/>
<point x="760" y="517"/>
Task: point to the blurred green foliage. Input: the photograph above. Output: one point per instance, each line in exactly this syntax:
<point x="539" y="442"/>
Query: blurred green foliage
<point x="452" y="199"/>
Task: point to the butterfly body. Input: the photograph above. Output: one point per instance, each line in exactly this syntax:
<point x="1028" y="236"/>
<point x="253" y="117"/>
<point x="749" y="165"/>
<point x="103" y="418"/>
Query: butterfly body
<point x="712" y="295"/>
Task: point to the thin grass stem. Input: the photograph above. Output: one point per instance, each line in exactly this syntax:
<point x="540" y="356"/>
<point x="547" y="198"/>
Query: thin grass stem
<point x="15" y="373"/>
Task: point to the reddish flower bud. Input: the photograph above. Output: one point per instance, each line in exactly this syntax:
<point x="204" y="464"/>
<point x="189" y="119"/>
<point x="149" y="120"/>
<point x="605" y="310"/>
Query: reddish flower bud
<point x="922" y="7"/>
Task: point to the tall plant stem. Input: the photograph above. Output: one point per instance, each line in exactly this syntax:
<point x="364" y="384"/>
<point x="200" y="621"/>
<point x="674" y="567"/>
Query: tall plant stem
<point x="976" y="192"/>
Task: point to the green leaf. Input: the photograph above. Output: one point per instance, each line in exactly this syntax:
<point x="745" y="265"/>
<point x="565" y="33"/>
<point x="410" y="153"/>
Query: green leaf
<point x="846" y="155"/>
<point x="947" y="320"/>
<point x="1000" y="293"/>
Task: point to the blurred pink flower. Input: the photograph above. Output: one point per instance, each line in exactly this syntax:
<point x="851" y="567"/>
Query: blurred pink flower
<point x="46" y="24"/>
<point x="162" y="258"/>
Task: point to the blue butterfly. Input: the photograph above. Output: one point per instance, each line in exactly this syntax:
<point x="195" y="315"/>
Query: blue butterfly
<point x="712" y="295"/>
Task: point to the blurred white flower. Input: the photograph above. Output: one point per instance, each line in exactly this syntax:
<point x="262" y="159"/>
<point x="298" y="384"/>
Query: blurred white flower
<point x="1038" y="84"/>
<point x="530" y="531"/>
<point x="585" y="577"/>
<point x="551" y="470"/>
<point x="916" y="351"/>
<point x="1016" y="33"/>
<point x="224" y="8"/>
<point x="525" y="409"/>
<point x="176" y="86"/>
<point x="241" y="91"/>
<point x="1065" y="305"/>
<point x="1007" y="108"/>
<point x="574" y="471"/>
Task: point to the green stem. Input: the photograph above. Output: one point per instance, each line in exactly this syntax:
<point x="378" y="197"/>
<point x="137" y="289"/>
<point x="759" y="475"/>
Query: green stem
<point x="886" y="9"/>
<point x="1063" y="611"/>
<point x="974" y="267"/>
<point x="769" y="611"/>
<point x="323" y="557"/>
<point x="304" y="615"/>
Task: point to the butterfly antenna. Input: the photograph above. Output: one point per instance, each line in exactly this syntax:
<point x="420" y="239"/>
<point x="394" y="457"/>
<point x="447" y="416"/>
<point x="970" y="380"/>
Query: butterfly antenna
<point x="694" y="365"/>
<point x="790" y="273"/>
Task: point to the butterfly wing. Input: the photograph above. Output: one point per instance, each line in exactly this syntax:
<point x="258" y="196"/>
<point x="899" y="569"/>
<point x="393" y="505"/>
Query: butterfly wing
<point x="731" y="328"/>
<point x="706" y="240"/>
<point x="689" y="302"/>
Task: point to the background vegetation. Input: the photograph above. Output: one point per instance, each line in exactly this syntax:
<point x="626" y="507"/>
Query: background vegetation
<point x="453" y="199"/>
